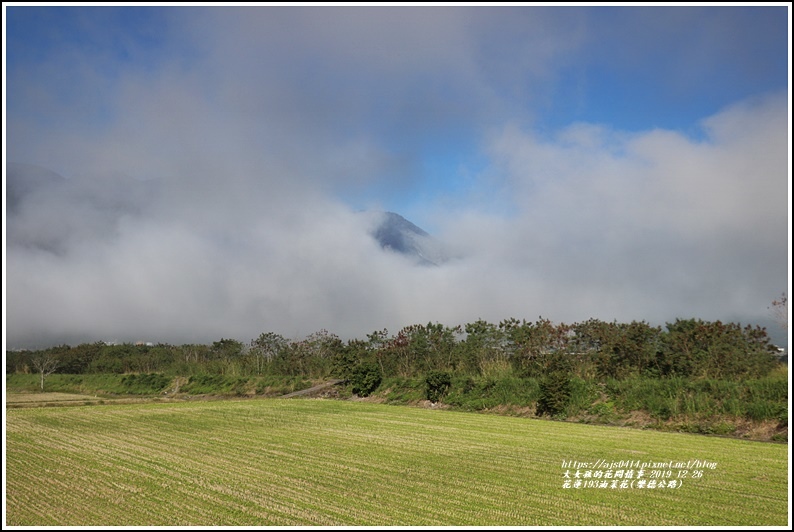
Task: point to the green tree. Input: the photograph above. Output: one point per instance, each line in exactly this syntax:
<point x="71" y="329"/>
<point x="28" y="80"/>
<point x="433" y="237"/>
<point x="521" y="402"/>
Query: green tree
<point x="228" y="354"/>
<point x="377" y="343"/>
<point x="227" y="348"/>
<point x="484" y="344"/>
<point x="322" y="346"/>
<point x="264" y="350"/>
<point x="348" y="358"/>
<point x="697" y="348"/>
<point x="537" y="345"/>
<point x="78" y="359"/>
<point x="628" y="349"/>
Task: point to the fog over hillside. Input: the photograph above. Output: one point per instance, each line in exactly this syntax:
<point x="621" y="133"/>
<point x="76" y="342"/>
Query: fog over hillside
<point x="188" y="174"/>
<point x="123" y="259"/>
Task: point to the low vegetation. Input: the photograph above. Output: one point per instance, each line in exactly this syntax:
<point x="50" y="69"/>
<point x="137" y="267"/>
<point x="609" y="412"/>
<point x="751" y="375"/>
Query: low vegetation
<point x="326" y="463"/>
<point x="696" y="376"/>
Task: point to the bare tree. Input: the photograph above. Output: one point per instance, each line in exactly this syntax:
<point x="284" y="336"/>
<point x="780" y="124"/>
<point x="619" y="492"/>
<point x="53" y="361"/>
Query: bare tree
<point x="45" y="365"/>
<point x="779" y="310"/>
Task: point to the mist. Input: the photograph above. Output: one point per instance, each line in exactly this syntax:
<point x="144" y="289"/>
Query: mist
<point x="201" y="188"/>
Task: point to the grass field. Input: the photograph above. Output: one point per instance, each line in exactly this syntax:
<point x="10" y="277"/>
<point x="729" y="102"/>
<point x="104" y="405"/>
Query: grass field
<point x="323" y="462"/>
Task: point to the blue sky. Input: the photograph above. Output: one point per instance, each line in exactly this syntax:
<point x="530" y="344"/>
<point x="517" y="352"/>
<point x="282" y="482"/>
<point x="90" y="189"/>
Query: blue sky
<point x="497" y="129"/>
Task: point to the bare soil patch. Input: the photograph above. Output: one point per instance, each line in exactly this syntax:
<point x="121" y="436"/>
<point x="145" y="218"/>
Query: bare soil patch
<point x="45" y="397"/>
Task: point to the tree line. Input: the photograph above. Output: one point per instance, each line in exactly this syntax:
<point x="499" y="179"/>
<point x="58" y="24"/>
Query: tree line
<point x="591" y="350"/>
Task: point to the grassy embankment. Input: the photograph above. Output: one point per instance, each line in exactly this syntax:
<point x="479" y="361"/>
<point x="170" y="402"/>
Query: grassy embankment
<point x="755" y="409"/>
<point x="114" y="386"/>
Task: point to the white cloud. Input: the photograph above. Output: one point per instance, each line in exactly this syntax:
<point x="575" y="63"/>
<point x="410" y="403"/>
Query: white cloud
<point x="251" y="123"/>
<point x="647" y="226"/>
<point x="650" y="225"/>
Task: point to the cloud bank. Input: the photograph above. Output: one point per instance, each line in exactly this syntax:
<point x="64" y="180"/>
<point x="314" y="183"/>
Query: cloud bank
<point x="203" y="182"/>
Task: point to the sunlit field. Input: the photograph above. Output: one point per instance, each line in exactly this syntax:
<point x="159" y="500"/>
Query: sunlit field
<point x="323" y="462"/>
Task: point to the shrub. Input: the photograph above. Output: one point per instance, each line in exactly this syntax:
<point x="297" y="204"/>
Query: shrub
<point x="437" y="384"/>
<point x="555" y="393"/>
<point x="365" y="378"/>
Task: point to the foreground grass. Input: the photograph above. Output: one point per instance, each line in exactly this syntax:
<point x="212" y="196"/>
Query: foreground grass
<point x="320" y="462"/>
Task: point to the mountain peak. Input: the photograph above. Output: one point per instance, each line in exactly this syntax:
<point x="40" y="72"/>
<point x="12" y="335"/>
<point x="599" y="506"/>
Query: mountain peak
<point x="395" y="233"/>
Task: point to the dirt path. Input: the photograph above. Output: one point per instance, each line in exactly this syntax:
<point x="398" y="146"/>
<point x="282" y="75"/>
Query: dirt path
<point x="313" y="389"/>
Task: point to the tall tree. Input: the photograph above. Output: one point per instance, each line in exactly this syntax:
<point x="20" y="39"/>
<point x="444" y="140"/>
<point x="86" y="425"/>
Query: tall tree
<point x="483" y="346"/>
<point x="265" y="349"/>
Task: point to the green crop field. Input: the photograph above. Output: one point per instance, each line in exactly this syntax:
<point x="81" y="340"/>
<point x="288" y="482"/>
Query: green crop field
<point x="324" y="462"/>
